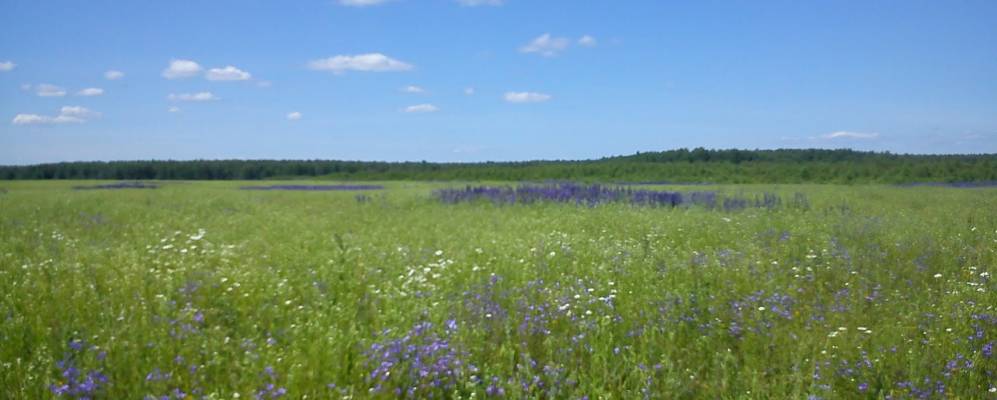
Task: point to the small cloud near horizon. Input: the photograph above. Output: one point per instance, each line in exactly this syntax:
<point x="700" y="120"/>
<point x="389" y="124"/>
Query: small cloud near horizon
<point x="526" y="97"/>
<point x="850" y="135"/>
<point x="370" y="62"/>
<point x="67" y="115"/>
<point x="421" y="108"/>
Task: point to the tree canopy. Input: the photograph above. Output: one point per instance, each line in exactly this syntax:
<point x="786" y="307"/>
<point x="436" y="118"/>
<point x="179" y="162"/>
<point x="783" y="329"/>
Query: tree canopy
<point x="674" y="166"/>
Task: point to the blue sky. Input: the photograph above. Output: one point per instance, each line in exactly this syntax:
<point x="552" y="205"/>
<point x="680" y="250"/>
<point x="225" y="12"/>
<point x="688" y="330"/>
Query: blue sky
<point x="473" y="80"/>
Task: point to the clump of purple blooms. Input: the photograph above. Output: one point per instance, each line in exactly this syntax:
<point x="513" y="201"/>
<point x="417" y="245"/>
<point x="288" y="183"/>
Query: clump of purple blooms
<point x="757" y="313"/>
<point x="119" y="185"/>
<point x="593" y="195"/>
<point x="418" y="364"/>
<point x="314" y="188"/>
<point x="269" y="390"/>
<point x="76" y="382"/>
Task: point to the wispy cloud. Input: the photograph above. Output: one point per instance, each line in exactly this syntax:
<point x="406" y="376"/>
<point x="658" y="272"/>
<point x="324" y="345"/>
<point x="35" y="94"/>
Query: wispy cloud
<point x="526" y="97"/>
<point x="199" y="96"/>
<point x="113" y="75"/>
<point x="293" y="116"/>
<point x="229" y="73"/>
<point x="67" y="115"/>
<point x="371" y="62"/>
<point x="173" y="109"/>
<point x="850" y="135"/>
<point x="48" y="90"/>
<point x="90" y="92"/>
<point x="546" y="45"/>
<point x="469" y="91"/>
<point x="421" y="108"/>
<point x="182" y="69"/>
<point x="587" y="41"/>
<point x="7" y="66"/>
<point x="413" y="89"/>
<point x="475" y="3"/>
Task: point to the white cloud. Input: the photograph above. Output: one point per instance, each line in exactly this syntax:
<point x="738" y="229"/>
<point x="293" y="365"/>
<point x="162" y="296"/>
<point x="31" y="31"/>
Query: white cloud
<point x="264" y="84"/>
<point x="67" y="115"/>
<point x="361" y="3"/>
<point x="173" y="109"/>
<point x="182" y="69"/>
<point x="78" y="112"/>
<point x="7" y="66"/>
<point x="421" y="108"/>
<point x="90" y="92"/>
<point x="587" y="41"/>
<point x="113" y="75"/>
<point x="200" y="96"/>
<point x="293" y="116"/>
<point x="526" y="97"/>
<point x="475" y="3"/>
<point x="30" y="119"/>
<point x="413" y="89"/>
<point x="850" y="135"/>
<point x="47" y="90"/>
<point x="546" y="45"/>
<point x="229" y="73"/>
<point x="469" y="91"/>
<point x="371" y="62"/>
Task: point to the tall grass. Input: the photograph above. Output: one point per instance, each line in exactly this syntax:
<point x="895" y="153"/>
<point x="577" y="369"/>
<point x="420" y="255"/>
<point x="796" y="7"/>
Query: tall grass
<point x="200" y="290"/>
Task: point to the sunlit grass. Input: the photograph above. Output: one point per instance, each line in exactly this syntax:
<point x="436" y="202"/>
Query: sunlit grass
<point x="203" y="290"/>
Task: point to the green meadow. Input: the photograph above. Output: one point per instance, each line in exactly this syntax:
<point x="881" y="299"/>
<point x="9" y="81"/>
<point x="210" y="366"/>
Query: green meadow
<point x="201" y="290"/>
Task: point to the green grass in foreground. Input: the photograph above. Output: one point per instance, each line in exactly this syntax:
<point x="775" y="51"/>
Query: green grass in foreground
<point x="200" y="290"/>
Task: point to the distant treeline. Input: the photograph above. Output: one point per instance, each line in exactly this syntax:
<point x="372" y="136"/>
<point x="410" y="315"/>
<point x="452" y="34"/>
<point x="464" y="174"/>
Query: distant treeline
<point x="682" y="165"/>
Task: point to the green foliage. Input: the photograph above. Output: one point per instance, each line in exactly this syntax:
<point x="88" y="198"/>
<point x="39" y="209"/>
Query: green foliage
<point x="872" y="291"/>
<point x="676" y="166"/>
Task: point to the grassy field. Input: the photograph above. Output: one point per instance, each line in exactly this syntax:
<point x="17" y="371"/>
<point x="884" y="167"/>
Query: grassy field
<point x="200" y="290"/>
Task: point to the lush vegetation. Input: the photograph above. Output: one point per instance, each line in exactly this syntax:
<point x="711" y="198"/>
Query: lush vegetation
<point x="201" y="290"/>
<point x="698" y="165"/>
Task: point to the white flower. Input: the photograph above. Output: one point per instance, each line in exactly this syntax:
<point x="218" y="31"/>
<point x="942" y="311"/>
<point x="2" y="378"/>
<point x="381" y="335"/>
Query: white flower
<point x="938" y="275"/>
<point x="761" y="308"/>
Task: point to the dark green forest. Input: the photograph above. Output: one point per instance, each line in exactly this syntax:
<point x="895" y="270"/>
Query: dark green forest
<point x="674" y="166"/>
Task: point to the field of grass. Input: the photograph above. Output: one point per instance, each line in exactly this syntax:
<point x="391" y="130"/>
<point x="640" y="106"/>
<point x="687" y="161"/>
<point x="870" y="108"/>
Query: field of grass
<point x="201" y="290"/>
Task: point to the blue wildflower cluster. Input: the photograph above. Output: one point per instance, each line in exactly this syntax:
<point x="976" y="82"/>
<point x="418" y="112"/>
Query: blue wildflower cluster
<point x="76" y="382"/>
<point x="314" y="188"/>
<point x="593" y="195"/>
<point x="418" y="364"/>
